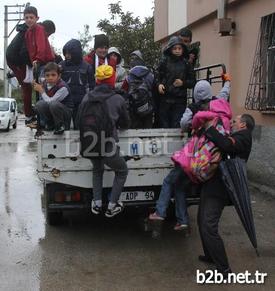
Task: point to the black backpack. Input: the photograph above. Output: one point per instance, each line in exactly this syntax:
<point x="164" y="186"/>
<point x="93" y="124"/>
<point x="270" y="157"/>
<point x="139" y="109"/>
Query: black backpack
<point x="17" y="53"/>
<point x="95" y="123"/>
<point x="140" y="96"/>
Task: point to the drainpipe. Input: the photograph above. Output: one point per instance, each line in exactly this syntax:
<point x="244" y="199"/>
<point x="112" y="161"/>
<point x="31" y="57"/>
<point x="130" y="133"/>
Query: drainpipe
<point x="221" y="9"/>
<point x="224" y="23"/>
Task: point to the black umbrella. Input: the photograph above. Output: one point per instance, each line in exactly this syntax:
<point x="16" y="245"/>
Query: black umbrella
<point x="234" y="176"/>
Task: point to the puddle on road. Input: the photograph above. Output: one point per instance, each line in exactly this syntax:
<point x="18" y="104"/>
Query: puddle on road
<point x="11" y="147"/>
<point x="22" y="221"/>
<point x="32" y="146"/>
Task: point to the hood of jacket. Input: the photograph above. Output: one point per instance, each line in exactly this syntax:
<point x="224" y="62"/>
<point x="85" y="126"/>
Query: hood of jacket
<point x="202" y="91"/>
<point x="73" y="47"/>
<point x="136" y="59"/>
<point x="116" y="51"/>
<point x="137" y="53"/>
<point x="174" y="40"/>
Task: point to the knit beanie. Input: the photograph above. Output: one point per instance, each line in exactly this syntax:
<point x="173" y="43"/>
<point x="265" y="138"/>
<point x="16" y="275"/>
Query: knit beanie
<point x="101" y="40"/>
<point x="105" y="74"/>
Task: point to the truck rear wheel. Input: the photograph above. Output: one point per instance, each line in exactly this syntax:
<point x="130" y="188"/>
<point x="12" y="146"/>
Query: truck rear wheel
<point x="54" y="218"/>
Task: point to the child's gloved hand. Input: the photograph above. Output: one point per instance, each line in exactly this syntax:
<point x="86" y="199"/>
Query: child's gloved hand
<point x="226" y="77"/>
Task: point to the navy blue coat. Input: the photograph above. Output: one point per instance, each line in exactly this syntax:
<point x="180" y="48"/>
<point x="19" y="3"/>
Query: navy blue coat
<point x="76" y="72"/>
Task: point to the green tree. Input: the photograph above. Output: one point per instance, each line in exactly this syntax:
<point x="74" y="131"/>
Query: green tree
<point x="129" y="33"/>
<point x="85" y="38"/>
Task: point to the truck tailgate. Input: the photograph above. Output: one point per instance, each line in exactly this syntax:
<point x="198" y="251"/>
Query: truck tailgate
<point x="147" y="152"/>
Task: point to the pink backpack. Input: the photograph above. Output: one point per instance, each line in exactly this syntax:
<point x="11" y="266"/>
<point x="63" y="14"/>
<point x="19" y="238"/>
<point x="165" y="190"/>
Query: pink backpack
<point x="199" y="158"/>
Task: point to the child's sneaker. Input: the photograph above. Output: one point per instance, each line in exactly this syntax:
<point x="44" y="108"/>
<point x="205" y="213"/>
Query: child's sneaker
<point x="114" y="211"/>
<point x="95" y="209"/>
<point x="180" y="226"/>
<point x="155" y="216"/>
<point x="59" y="130"/>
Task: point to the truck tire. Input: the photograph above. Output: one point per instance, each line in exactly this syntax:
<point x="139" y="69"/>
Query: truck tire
<point x="54" y="218"/>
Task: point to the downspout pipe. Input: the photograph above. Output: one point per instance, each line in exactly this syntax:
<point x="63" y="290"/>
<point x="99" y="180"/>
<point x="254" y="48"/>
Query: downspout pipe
<point x="221" y="9"/>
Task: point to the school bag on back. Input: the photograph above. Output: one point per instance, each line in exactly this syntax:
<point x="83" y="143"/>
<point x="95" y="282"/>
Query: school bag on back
<point x="140" y="95"/>
<point x="200" y="158"/>
<point x="17" y="53"/>
<point x="95" y="124"/>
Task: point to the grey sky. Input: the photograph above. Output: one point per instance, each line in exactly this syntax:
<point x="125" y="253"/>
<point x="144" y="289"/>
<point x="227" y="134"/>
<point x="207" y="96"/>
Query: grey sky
<point x="70" y="16"/>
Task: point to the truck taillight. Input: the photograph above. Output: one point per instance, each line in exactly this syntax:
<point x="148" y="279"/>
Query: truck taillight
<point x="76" y="196"/>
<point x="59" y="197"/>
<point x="67" y="196"/>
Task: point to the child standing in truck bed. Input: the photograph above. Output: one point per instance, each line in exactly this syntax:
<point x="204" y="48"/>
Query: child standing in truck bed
<point x="174" y="76"/>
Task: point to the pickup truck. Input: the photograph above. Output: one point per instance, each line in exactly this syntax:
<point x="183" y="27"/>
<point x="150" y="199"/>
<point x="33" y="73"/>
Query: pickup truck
<point x="67" y="177"/>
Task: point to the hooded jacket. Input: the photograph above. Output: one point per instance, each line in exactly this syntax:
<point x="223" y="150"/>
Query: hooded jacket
<point x="172" y="67"/>
<point x="116" y="106"/>
<point x="136" y="59"/>
<point x="76" y="72"/>
<point x="120" y="71"/>
<point x="17" y="53"/>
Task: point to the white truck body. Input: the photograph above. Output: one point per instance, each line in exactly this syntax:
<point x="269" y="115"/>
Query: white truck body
<point x="148" y="152"/>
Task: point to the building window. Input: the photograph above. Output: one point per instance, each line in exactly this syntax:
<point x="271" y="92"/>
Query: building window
<point x="261" y="88"/>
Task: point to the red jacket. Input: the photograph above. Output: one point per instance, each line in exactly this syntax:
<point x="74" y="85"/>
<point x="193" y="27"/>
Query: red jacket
<point x="38" y="45"/>
<point x="90" y="58"/>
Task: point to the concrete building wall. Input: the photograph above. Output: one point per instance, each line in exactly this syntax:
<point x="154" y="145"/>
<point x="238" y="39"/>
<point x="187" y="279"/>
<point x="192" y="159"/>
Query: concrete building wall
<point x="177" y="15"/>
<point x="236" y="51"/>
<point x="161" y="19"/>
<point x="198" y="9"/>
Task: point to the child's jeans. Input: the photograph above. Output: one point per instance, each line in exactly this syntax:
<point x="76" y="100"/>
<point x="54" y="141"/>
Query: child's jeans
<point x="174" y="182"/>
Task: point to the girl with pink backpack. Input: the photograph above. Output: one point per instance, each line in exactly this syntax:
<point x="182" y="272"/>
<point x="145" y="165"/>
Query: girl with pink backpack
<point x="193" y="161"/>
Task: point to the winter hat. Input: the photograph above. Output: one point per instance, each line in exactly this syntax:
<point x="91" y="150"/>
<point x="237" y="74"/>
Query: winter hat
<point x="105" y="74"/>
<point x="101" y="40"/>
<point x="202" y="91"/>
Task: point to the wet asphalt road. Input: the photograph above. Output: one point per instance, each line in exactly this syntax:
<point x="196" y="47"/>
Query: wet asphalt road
<point x="88" y="253"/>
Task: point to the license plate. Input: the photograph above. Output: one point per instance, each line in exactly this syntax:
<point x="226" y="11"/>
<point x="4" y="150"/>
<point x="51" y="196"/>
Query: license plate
<point x="137" y="196"/>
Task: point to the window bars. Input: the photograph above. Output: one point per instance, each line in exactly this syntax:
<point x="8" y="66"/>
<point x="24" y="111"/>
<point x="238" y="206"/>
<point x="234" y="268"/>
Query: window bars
<point x="261" y="88"/>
